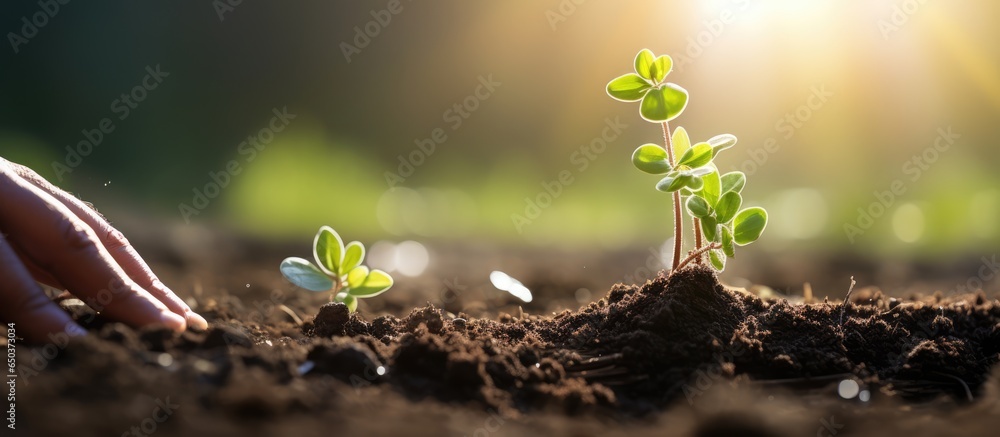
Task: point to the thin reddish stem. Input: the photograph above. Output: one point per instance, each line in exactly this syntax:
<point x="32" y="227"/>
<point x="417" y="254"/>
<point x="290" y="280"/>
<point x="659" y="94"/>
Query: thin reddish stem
<point x="697" y="254"/>
<point x="697" y="238"/>
<point x="678" y="232"/>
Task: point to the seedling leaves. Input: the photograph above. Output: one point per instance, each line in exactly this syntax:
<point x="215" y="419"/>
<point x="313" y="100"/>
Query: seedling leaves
<point x="681" y="142"/>
<point x="733" y="181"/>
<point x="721" y="142"/>
<point x="375" y="284"/>
<point x="328" y="249"/>
<point x="727" y="207"/>
<point x="748" y="225"/>
<point x="304" y="274"/>
<point x="628" y="88"/>
<point x="698" y="207"/>
<point x="697" y="156"/>
<point x="354" y="254"/>
<point x="651" y="158"/>
<point x="664" y="103"/>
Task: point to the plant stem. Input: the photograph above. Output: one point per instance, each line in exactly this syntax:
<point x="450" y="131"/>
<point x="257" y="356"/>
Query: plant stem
<point x="697" y="238"/>
<point x="678" y="234"/>
<point x="697" y="254"/>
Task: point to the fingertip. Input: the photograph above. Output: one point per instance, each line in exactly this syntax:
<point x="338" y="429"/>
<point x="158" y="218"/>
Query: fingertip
<point x="196" y="321"/>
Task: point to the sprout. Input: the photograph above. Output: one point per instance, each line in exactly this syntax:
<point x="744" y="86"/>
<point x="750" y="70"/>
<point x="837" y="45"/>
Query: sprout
<point x="338" y="270"/>
<point x="688" y="171"/>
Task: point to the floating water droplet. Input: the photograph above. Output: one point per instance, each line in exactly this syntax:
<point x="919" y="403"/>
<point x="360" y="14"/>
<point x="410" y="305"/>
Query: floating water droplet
<point x="506" y="283"/>
<point x="164" y="359"/>
<point x="107" y="183"/>
<point x="305" y="367"/>
<point x="538" y="365"/>
<point x="864" y="396"/>
<point x="380" y="370"/>
<point x="248" y="285"/>
<point x="848" y="388"/>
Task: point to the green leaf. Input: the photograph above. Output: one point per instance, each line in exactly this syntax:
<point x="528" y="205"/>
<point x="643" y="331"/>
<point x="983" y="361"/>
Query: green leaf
<point x="673" y="181"/>
<point x="727" y="243"/>
<point x="692" y="181"/>
<point x="718" y="259"/>
<point x="698" y="207"/>
<point x="644" y="64"/>
<point x="749" y="224"/>
<point x="340" y="296"/>
<point x="356" y="277"/>
<point x="697" y="156"/>
<point x="680" y="141"/>
<point x="661" y="67"/>
<point x="628" y="88"/>
<point x="304" y="274"/>
<point x="375" y="284"/>
<point x="721" y="142"/>
<point x="712" y="187"/>
<point x="710" y="228"/>
<point x="700" y="171"/>
<point x="353" y="255"/>
<point x="664" y="103"/>
<point x="651" y="158"/>
<point x="733" y="181"/>
<point x="328" y="249"/>
<point x="728" y="204"/>
<point x="351" y="302"/>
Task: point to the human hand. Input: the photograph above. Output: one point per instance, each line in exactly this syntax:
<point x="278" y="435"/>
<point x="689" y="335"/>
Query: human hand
<point x="49" y="236"/>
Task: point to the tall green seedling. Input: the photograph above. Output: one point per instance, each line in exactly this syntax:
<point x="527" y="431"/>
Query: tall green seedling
<point x="688" y="171"/>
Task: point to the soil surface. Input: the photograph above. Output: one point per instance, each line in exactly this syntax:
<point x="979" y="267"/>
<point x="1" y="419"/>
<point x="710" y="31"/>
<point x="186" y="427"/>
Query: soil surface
<point x="677" y="356"/>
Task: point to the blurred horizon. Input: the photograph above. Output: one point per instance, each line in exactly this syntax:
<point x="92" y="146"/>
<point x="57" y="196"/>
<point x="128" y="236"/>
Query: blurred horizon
<point x="835" y="105"/>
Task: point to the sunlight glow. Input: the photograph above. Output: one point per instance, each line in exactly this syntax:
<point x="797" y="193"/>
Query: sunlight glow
<point x="908" y="223"/>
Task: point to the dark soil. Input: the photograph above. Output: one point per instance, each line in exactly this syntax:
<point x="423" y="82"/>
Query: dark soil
<point x="681" y="356"/>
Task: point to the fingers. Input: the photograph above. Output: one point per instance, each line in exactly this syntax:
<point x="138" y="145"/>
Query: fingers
<point x="65" y="246"/>
<point x="119" y="248"/>
<point x="23" y="302"/>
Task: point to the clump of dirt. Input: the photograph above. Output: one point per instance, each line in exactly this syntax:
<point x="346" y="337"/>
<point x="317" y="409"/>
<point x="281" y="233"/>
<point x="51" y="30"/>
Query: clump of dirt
<point x="631" y="353"/>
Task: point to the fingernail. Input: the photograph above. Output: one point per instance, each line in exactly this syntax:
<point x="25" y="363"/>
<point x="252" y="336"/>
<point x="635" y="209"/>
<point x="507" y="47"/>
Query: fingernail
<point x="196" y="321"/>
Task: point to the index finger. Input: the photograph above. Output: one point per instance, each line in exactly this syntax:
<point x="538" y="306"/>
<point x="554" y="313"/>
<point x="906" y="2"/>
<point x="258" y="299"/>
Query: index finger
<point x="118" y="246"/>
<point x="62" y="244"/>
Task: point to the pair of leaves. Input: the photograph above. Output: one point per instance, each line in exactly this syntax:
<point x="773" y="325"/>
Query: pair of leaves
<point x="339" y="268"/>
<point x="660" y="101"/>
<point x="747" y="226"/>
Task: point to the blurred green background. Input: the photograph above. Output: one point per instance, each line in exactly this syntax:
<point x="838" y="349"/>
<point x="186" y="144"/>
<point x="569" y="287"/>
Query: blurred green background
<point x="832" y="102"/>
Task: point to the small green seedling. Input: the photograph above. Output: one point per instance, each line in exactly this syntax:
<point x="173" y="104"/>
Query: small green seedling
<point x="689" y="172"/>
<point x="338" y="270"/>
